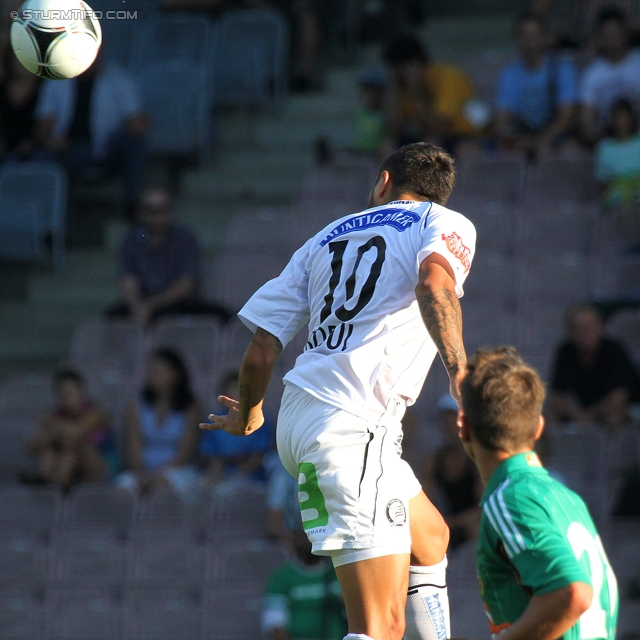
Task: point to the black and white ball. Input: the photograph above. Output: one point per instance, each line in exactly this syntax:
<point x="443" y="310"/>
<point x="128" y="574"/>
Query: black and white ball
<point x="56" y="39"/>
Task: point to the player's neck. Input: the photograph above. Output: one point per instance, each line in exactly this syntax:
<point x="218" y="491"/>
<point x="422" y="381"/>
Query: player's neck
<point x="488" y="461"/>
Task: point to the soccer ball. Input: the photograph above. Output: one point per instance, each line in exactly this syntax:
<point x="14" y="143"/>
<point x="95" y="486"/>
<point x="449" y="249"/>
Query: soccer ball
<point x="55" y="39"/>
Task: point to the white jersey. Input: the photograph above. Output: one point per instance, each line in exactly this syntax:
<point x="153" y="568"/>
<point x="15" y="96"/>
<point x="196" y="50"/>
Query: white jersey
<point x="354" y="283"/>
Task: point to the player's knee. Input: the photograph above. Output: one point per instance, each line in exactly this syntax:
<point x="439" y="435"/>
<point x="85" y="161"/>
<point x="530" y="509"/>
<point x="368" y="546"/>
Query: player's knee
<point x="396" y="619"/>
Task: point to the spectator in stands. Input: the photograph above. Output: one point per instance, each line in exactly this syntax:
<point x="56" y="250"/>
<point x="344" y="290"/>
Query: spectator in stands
<point x="371" y="118"/>
<point x="451" y="481"/>
<point x="428" y="98"/>
<point x="159" y="266"/>
<point x="230" y="457"/>
<point x="618" y="157"/>
<point x="303" y="600"/>
<point x="19" y="91"/>
<point x="615" y="74"/>
<point x="161" y="430"/>
<point x="537" y="94"/>
<point x="72" y="439"/>
<point x="593" y="379"/>
<point x="94" y="125"/>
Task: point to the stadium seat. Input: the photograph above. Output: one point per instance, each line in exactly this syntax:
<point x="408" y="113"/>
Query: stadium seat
<point x="173" y="37"/>
<point x="625" y="326"/>
<point x="20" y="616"/>
<point x="36" y="510"/>
<point x="76" y="612"/>
<point x="26" y="391"/>
<point x="16" y="429"/>
<point x="563" y="277"/>
<point x="120" y="341"/>
<point x="242" y="564"/>
<point x="160" y="613"/>
<point x="199" y="342"/>
<point x="42" y="185"/>
<point x="493" y="277"/>
<point x="619" y="277"/>
<point x="21" y="235"/>
<point x="239" y="511"/>
<point x="249" y="54"/>
<point x="497" y="176"/>
<point x="567" y="226"/>
<point x="22" y="559"/>
<point x="569" y="177"/>
<point x="232" y="614"/>
<point x="101" y="506"/>
<point x="232" y="277"/>
<point x="177" y="98"/>
<point x="87" y="554"/>
<point x="161" y="556"/>
<point x="261" y="227"/>
<point x="629" y="619"/>
<point x="165" y="510"/>
<point x="485" y="325"/>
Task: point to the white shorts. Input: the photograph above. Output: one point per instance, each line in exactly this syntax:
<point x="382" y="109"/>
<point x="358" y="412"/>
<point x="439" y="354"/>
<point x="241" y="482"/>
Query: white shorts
<point x="354" y="488"/>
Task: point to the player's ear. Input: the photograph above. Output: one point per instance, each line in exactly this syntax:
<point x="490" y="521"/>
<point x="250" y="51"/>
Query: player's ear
<point x="383" y="186"/>
<point x="540" y="429"/>
<point x="464" y="433"/>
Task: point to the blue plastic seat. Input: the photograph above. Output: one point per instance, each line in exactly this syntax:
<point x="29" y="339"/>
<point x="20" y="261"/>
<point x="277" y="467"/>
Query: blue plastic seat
<point x="249" y="52"/>
<point x="33" y="205"/>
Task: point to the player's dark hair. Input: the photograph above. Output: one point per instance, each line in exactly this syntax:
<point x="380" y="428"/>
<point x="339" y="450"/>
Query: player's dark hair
<point x="404" y="50"/>
<point x="67" y="375"/>
<point x="609" y="14"/>
<point x="502" y="399"/>
<point x="182" y="397"/>
<point x="423" y="170"/>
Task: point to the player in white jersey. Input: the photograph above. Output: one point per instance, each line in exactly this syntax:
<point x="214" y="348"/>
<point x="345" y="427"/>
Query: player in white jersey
<point x="379" y="290"/>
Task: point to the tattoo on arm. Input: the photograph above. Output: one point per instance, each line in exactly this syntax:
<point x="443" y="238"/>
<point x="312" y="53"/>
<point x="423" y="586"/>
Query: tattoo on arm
<point x="442" y="316"/>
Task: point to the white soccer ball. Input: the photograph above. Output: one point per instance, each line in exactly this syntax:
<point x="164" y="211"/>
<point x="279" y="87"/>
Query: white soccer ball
<point x="56" y="39"/>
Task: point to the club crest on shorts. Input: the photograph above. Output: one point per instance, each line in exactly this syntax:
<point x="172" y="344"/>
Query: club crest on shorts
<point x="396" y="512"/>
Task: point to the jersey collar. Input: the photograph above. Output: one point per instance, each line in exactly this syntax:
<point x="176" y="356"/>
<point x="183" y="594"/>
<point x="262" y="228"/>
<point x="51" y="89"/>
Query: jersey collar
<point x="527" y="462"/>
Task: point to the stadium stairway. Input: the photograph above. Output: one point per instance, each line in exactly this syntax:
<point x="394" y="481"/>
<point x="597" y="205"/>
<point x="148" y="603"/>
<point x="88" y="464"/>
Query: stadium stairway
<point x="258" y="161"/>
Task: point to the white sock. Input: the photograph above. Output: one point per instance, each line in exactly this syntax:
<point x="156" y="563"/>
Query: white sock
<point x="357" y="636"/>
<point x="427" y="611"/>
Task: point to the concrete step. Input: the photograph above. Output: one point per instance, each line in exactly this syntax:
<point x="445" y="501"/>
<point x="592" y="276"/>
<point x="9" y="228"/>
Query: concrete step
<point x="43" y="294"/>
<point x="340" y="103"/>
<point x="295" y="135"/>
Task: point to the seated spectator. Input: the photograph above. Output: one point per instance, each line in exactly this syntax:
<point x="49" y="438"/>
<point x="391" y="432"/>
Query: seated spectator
<point x="230" y="457"/>
<point x="161" y="430"/>
<point x="537" y="94"/>
<point x="303" y="599"/>
<point x="94" y="126"/>
<point x="614" y="75"/>
<point x="451" y="479"/>
<point x="159" y="266"/>
<point x="593" y="379"/>
<point x="371" y="117"/>
<point x="618" y="157"/>
<point x="73" y="439"/>
<point x="19" y="91"/>
<point x="428" y="98"/>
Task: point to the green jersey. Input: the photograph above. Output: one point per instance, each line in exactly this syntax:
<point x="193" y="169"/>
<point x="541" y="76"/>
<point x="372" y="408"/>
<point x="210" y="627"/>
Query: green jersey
<point x="306" y="602"/>
<point x="537" y="536"/>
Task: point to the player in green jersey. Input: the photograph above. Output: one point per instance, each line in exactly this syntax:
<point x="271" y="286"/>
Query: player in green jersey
<point x="543" y="572"/>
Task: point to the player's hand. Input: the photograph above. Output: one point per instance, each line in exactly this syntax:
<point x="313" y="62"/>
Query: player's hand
<point x="454" y="387"/>
<point x="231" y="422"/>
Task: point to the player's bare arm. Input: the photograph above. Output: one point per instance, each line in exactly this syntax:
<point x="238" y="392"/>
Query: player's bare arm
<point x="442" y="315"/>
<point x="550" y="615"/>
<point x="245" y="414"/>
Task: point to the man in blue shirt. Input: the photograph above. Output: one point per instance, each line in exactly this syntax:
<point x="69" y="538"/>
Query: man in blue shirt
<point x="537" y="94"/>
